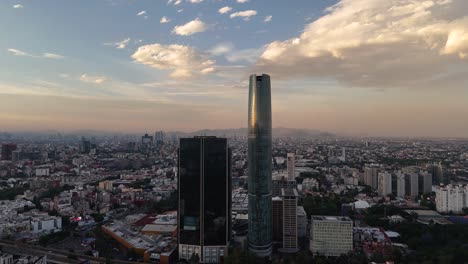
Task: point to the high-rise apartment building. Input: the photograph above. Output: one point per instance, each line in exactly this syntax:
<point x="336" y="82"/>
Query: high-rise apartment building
<point x="425" y="182"/>
<point x="291" y="163"/>
<point x="331" y="235"/>
<point x="412" y="185"/>
<point x="259" y="158"/>
<point x="401" y="188"/>
<point x="384" y="183"/>
<point x="437" y="172"/>
<point x="451" y="198"/>
<point x="371" y="175"/>
<point x="204" y="211"/>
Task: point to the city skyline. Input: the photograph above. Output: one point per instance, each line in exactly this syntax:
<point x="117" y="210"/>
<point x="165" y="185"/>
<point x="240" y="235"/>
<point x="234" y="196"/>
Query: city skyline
<point x="373" y="68"/>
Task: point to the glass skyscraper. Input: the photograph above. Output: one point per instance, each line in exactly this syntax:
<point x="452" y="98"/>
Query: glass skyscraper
<point x="204" y="184"/>
<point x="259" y="157"/>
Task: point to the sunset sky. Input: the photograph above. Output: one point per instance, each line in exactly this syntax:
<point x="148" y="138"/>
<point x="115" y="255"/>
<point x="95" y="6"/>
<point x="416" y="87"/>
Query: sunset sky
<point x="354" y="67"/>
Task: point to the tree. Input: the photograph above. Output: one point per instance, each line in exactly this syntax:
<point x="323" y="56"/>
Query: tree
<point x="194" y="259"/>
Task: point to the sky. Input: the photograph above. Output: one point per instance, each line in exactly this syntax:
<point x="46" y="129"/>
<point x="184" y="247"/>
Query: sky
<point x="352" y="67"/>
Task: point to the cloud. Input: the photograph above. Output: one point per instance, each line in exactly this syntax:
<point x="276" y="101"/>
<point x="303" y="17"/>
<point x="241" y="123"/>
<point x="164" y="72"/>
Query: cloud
<point x="242" y="1"/>
<point x="174" y="2"/>
<point x="46" y="55"/>
<point x="120" y="44"/>
<point x="224" y="10"/>
<point x="52" y="56"/>
<point x="267" y="19"/>
<point x="246" y="55"/>
<point x="190" y="28"/>
<point x="183" y="61"/>
<point x="195" y="1"/>
<point x="245" y="14"/>
<point x="18" y="6"/>
<point x="221" y="48"/>
<point x="164" y="20"/>
<point x="378" y="43"/>
<point x="19" y="53"/>
<point x="92" y="79"/>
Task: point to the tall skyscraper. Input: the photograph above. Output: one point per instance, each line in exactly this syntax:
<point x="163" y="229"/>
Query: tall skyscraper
<point x="259" y="157"/>
<point x="204" y="185"/>
<point x="291" y="163"/>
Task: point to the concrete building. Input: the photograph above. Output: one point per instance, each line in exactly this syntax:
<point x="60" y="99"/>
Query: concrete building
<point x="291" y="163"/>
<point x="400" y="182"/>
<point x="425" y="182"/>
<point x="331" y="235"/>
<point x="259" y="166"/>
<point x="46" y="224"/>
<point x="412" y="185"/>
<point x="6" y="258"/>
<point x="106" y="185"/>
<point x="309" y="185"/>
<point x="384" y="183"/>
<point x="290" y="243"/>
<point x="437" y="172"/>
<point x="451" y="198"/>
<point x="277" y="185"/>
<point x="371" y="175"/>
<point x="301" y="222"/>
<point x="7" y="151"/>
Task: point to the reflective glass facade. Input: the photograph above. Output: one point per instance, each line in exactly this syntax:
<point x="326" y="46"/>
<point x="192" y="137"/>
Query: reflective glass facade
<point x="259" y="157"/>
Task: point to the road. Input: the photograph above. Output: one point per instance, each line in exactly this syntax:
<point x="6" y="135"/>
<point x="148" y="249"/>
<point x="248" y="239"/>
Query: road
<point x="53" y="255"/>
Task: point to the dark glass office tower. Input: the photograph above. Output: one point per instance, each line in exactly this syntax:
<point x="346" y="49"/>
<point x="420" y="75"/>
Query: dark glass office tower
<point x="259" y="155"/>
<point x="204" y="185"/>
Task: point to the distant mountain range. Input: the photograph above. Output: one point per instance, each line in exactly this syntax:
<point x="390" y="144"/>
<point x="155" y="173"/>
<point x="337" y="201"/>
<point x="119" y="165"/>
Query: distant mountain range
<point x="278" y="132"/>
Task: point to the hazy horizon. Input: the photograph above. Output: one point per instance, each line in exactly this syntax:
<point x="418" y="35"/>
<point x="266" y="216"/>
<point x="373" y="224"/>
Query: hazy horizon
<point x="351" y="67"/>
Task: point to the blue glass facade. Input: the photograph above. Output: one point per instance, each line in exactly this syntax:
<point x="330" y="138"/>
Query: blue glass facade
<point x="259" y="157"/>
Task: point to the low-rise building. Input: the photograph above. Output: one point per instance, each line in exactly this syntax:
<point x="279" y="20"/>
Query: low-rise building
<point x="331" y="235"/>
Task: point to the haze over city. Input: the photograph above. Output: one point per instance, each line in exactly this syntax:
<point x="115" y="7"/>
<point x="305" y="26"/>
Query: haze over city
<point x="352" y="67"/>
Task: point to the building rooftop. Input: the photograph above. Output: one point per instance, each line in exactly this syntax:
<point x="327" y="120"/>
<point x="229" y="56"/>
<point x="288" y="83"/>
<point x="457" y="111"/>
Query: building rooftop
<point x="331" y="218"/>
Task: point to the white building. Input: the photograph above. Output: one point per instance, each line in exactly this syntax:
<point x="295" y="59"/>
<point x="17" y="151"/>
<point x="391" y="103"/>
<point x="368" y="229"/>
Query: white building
<point x="6" y="258"/>
<point x="42" y="171"/>
<point x="291" y="166"/>
<point x="451" y="198"/>
<point x="46" y="224"/>
<point x="384" y="183"/>
<point x="309" y="184"/>
<point x="331" y="235"/>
